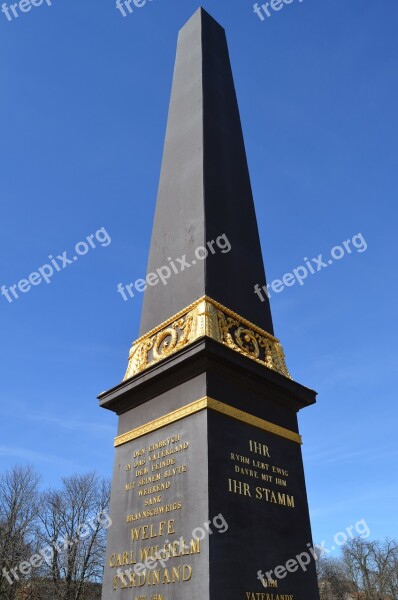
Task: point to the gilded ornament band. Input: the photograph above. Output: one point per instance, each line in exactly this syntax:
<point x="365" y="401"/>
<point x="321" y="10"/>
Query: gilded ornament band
<point x="202" y="404"/>
<point x="206" y="317"/>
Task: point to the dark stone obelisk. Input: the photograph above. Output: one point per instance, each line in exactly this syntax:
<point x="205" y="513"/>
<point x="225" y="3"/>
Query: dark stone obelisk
<point x="205" y="188"/>
<point x="208" y="497"/>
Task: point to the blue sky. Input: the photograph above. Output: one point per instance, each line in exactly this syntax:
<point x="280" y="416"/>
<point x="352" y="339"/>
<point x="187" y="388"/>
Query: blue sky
<point x="83" y="111"/>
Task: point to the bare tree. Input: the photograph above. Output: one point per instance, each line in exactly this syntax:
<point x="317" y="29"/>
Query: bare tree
<point x="74" y="522"/>
<point x="334" y="580"/>
<point x="373" y="567"/>
<point x="392" y="586"/>
<point x="19" y="509"/>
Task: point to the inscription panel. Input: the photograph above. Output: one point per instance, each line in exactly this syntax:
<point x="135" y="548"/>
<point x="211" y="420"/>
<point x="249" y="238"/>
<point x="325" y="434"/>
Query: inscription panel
<point x="256" y="480"/>
<point x="159" y="499"/>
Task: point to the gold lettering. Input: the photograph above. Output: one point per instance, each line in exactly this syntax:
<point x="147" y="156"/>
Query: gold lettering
<point x="242" y="459"/>
<point x="265" y="596"/>
<point x="270" y="496"/>
<point x="245" y="471"/>
<point x="151" y="577"/>
<point x="154" y="512"/>
<point x="237" y="487"/>
<point x="280" y="471"/>
<point x="169" y="451"/>
<point x="166" y="576"/>
<point x="147" y="480"/>
<point x="156" y="578"/>
<point x="170" y="526"/>
<point x="258" y="448"/>
<point x="195" y="546"/>
<point x="152" y="531"/>
<point x="165" y="442"/>
<point x="175" y="471"/>
<point x="146" y="553"/>
<point x="281" y="482"/>
<point x="139" y="453"/>
<point x="260" y="465"/>
<point x="154" y="489"/>
<point x="122" y="559"/>
<point x="155" y="500"/>
<point x="163" y="464"/>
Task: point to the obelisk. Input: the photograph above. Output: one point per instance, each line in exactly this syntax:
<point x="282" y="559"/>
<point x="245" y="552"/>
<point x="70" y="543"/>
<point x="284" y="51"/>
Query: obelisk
<point x="208" y="496"/>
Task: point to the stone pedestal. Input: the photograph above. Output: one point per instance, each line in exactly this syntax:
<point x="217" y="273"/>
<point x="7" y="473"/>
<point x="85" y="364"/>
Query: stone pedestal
<point x="208" y="486"/>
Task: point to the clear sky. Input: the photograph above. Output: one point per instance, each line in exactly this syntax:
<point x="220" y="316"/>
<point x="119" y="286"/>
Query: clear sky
<point x="83" y="110"/>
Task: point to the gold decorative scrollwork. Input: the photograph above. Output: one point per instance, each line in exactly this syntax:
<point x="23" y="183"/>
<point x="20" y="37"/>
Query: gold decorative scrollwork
<point x="247" y="341"/>
<point x="163" y="347"/>
<point x="206" y="317"/>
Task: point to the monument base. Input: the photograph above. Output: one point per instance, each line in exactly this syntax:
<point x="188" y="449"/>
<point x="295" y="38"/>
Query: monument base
<point x="208" y="497"/>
